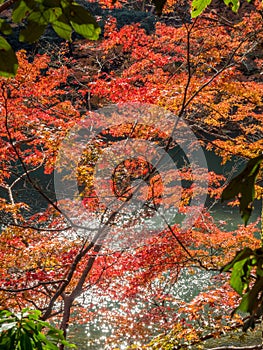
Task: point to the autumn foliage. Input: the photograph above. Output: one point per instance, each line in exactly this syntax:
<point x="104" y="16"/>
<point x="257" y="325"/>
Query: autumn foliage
<point x="208" y="72"/>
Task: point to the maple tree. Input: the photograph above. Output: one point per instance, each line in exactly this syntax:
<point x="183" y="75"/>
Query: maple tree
<point x="158" y="78"/>
<point x="32" y="17"/>
<point x="49" y="258"/>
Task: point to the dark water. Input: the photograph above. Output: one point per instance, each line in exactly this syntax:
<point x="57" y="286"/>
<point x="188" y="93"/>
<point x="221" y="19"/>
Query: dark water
<point x="23" y="191"/>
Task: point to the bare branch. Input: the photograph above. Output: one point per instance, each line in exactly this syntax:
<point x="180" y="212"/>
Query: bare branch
<point x="10" y="290"/>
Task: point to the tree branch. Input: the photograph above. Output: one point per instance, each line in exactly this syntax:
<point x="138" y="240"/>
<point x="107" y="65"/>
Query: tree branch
<point x="6" y="5"/>
<point x="9" y="290"/>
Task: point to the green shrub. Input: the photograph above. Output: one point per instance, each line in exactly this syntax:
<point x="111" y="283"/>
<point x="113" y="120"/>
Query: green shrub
<point x="26" y="331"/>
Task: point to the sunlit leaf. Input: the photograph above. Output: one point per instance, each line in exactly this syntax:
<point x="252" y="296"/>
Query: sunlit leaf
<point x="6" y="326"/>
<point x="62" y="27"/>
<point x="22" y="9"/>
<point x="34" y="314"/>
<point x="240" y="275"/>
<point x="83" y="22"/>
<point x="52" y="14"/>
<point x="198" y="6"/>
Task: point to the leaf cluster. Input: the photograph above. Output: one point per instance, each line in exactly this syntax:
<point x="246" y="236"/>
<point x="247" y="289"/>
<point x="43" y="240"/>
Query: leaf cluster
<point x="198" y="6"/>
<point x="64" y="16"/>
<point x="247" y="280"/>
<point x="243" y="187"/>
<point x="24" y="331"/>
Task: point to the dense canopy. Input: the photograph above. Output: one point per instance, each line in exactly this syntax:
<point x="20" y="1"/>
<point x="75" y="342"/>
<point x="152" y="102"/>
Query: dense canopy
<point x="121" y="127"/>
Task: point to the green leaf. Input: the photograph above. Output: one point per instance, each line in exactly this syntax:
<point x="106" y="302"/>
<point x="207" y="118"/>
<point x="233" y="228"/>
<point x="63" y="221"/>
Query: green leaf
<point x="7" y="341"/>
<point x="7" y="326"/>
<point x="82" y="21"/>
<point x="250" y="300"/>
<point x="5" y="313"/>
<point x="43" y="339"/>
<point x="56" y="334"/>
<point x="32" y="32"/>
<point x="30" y="325"/>
<point x="12" y="340"/>
<point x="22" y="9"/>
<point x="243" y="187"/>
<point x="52" y="14"/>
<point x="34" y="314"/>
<point x="43" y="324"/>
<point x="8" y="60"/>
<point x="69" y="345"/>
<point x="240" y="275"/>
<point x="236" y="184"/>
<point x="247" y="198"/>
<point x="38" y="345"/>
<point x="241" y="255"/>
<point x="88" y="31"/>
<point x="40" y="17"/>
<point x="233" y="4"/>
<point x="233" y="189"/>
<point x="28" y="336"/>
<point x="259" y="271"/>
<point x="25" y="342"/>
<point x="62" y="28"/>
<point x="5" y="27"/>
<point x="198" y="6"/>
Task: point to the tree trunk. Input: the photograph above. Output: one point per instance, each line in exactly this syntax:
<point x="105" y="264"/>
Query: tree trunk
<point x="68" y="300"/>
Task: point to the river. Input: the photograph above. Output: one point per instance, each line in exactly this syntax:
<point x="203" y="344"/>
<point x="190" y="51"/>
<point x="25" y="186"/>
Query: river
<point x="188" y="286"/>
<point x="82" y="334"/>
